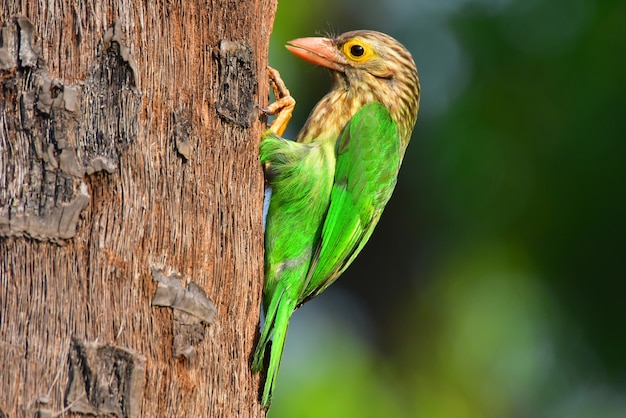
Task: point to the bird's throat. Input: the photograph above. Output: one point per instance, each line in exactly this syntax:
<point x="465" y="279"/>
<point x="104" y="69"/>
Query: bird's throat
<point x="331" y="114"/>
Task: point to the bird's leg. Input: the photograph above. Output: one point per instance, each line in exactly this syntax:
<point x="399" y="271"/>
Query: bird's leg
<point x="282" y="108"/>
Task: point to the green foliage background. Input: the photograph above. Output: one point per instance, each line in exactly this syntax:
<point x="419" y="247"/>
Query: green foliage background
<point x="495" y="283"/>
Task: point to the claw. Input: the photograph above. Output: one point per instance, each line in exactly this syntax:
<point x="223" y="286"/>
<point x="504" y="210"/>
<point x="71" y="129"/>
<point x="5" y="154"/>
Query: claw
<point x="278" y="85"/>
<point x="283" y="107"/>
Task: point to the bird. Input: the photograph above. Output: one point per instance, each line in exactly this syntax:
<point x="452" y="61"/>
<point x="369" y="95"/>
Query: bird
<point x="327" y="188"/>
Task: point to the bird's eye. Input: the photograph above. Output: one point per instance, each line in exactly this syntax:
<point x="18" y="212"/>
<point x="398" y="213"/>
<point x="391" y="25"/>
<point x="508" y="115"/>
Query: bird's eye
<point x="357" y="50"/>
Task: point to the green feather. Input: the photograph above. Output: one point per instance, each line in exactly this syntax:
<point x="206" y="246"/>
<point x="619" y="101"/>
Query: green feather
<point x="368" y="160"/>
<point x="327" y="196"/>
<point x="301" y="177"/>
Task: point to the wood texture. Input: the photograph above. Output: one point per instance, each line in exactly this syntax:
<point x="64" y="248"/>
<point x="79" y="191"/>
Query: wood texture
<point x="129" y="150"/>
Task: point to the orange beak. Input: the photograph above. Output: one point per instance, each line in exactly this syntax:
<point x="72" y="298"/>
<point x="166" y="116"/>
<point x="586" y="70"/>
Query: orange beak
<point x="318" y="51"/>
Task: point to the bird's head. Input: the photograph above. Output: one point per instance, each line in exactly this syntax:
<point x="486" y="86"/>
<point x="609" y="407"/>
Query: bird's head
<point x="367" y="66"/>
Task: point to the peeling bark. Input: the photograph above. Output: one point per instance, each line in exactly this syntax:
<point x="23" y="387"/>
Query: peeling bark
<point x="128" y="148"/>
<point x="57" y="133"/>
<point x="105" y="380"/>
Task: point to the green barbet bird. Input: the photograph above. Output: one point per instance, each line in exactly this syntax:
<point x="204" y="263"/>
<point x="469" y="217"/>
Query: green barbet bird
<point x="330" y="185"/>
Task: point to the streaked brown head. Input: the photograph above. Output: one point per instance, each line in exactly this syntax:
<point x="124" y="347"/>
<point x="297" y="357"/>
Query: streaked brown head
<point x="365" y="66"/>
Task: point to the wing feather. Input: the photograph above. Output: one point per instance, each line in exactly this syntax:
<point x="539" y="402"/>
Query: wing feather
<point x="368" y="159"/>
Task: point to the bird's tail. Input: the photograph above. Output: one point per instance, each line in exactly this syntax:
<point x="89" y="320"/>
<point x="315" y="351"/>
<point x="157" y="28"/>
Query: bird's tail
<point x="276" y="323"/>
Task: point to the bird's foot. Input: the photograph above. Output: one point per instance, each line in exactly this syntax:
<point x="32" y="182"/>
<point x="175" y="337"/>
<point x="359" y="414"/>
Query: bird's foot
<point x="282" y="108"/>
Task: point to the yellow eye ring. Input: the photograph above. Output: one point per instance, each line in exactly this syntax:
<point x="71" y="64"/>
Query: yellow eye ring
<point x="357" y="50"/>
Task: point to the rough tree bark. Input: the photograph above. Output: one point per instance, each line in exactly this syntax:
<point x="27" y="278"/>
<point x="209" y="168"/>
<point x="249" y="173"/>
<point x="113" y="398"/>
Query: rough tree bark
<point x="130" y="206"/>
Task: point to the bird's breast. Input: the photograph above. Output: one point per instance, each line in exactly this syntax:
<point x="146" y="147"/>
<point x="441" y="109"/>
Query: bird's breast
<point x="331" y="115"/>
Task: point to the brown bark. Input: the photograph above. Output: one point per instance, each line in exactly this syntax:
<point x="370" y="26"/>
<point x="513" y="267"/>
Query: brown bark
<point x="129" y="163"/>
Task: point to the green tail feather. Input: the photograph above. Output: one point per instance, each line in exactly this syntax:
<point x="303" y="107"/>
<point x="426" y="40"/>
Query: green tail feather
<point x="275" y="326"/>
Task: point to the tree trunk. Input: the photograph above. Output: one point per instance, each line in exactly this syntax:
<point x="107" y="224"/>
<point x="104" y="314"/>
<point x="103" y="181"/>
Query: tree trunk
<point x="131" y="239"/>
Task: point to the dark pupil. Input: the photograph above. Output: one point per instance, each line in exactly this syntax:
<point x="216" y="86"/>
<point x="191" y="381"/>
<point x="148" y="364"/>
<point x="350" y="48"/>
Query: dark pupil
<point x="357" y="50"/>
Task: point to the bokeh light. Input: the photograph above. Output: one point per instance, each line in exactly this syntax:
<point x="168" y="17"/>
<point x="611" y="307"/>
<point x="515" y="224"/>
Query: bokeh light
<point x="494" y="285"/>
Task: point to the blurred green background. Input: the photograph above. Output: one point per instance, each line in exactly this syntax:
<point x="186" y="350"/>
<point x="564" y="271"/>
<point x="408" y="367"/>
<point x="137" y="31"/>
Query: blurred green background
<point x="494" y="285"/>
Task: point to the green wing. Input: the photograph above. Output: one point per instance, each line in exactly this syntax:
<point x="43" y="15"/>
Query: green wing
<point x="368" y="160"/>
